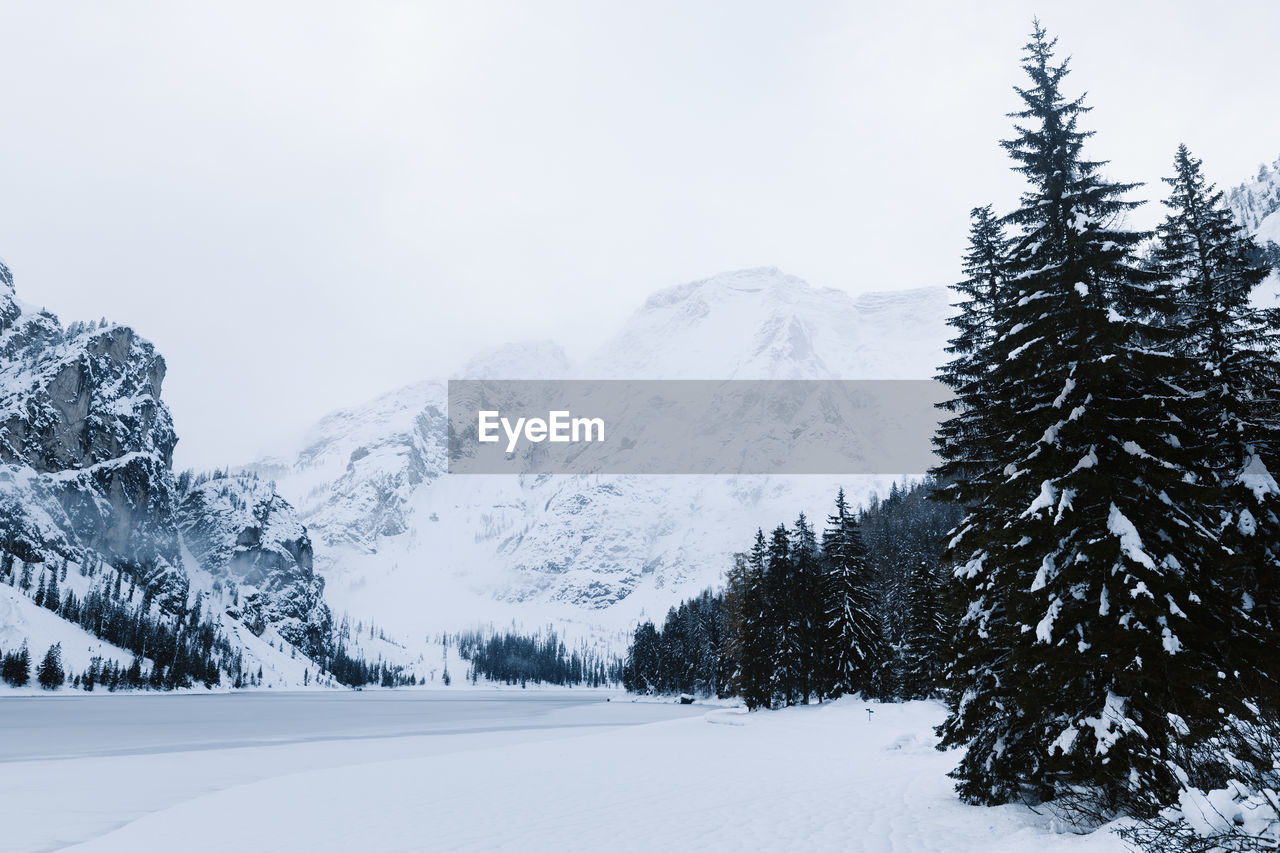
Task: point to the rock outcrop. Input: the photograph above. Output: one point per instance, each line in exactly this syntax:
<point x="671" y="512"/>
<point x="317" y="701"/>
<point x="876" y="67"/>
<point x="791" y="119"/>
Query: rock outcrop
<point x="239" y="529"/>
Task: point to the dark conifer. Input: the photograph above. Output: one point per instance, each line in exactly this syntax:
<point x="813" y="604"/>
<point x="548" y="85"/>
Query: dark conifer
<point x="780" y="586"/>
<point x="758" y="641"/>
<point x="855" y="649"/>
<point x="52" y="598"/>
<point x="17" y="667"/>
<point x="807" y="611"/>
<point x="50" y="673"/>
<point x="1083" y="654"/>
<point x="973" y="427"/>
<point x="1215" y="268"/>
<point x="926" y="636"/>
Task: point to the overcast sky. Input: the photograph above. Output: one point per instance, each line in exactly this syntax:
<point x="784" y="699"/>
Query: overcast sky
<point x="304" y="205"/>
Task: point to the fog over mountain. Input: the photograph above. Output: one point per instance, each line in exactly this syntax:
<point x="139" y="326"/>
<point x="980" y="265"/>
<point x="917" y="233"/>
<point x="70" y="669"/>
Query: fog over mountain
<point x="332" y="200"/>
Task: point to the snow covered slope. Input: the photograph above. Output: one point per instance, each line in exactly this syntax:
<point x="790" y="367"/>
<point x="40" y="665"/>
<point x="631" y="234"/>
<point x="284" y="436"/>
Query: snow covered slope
<point x="1256" y="205"/>
<point x="422" y="550"/>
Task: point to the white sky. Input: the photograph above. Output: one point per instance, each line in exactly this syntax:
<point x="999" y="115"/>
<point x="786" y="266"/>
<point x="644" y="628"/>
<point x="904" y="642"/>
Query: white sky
<point x="304" y="205"/>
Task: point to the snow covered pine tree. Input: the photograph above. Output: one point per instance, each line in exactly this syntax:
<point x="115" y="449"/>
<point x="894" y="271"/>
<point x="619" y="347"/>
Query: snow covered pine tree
<point x="855" y="652"/>
<point x="1215" y="267"/>
<point x="752" y="635"/>
<point x="1087" y="648"/>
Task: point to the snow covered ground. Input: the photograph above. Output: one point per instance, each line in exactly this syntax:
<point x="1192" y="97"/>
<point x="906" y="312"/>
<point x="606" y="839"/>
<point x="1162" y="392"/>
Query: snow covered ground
<point x="507" y="770"/>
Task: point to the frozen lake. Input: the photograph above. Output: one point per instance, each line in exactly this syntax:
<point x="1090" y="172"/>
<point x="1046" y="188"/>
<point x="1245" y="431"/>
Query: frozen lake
<point x="101" y="724"/>
<point x="74" y="766"/>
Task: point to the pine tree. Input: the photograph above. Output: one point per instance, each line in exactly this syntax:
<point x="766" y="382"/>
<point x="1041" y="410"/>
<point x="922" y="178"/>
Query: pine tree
<point x="1083" y="654"/>
<point x="757" y="642"/>
<point x="1214" y="266"/>
<point x="734" y="622"/>
<point x="17" y="667"/>
<point x="52" y="598"/>
<point x="50" y="673"/>
<point x="641" y="671"/>
<point x="134" y="674"/>
<point x="925" y="637"/>
<point x="25" y="583"/>
<point x="807" y="612"/>
<point x="780" y="586"/>
<point x="855" y="648"/>
<point x="973" y="425"/>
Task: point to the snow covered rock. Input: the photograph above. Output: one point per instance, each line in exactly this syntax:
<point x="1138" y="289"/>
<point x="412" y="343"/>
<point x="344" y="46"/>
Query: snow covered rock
<point x="85" y="444"/>
<point x="238" y="528"/>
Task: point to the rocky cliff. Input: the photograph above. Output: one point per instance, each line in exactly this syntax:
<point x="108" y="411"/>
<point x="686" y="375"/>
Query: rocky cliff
<point x="86" y="450"/>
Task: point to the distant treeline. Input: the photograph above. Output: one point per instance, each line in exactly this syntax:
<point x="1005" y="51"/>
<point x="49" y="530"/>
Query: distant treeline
<point x="513" y="658"/>
<point x="802" y="617"/>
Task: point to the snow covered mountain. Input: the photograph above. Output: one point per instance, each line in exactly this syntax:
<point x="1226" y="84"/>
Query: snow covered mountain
<point x="1256" y="205"/>
<point x="89" y="504"/>
<point x="424" y="550"/>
